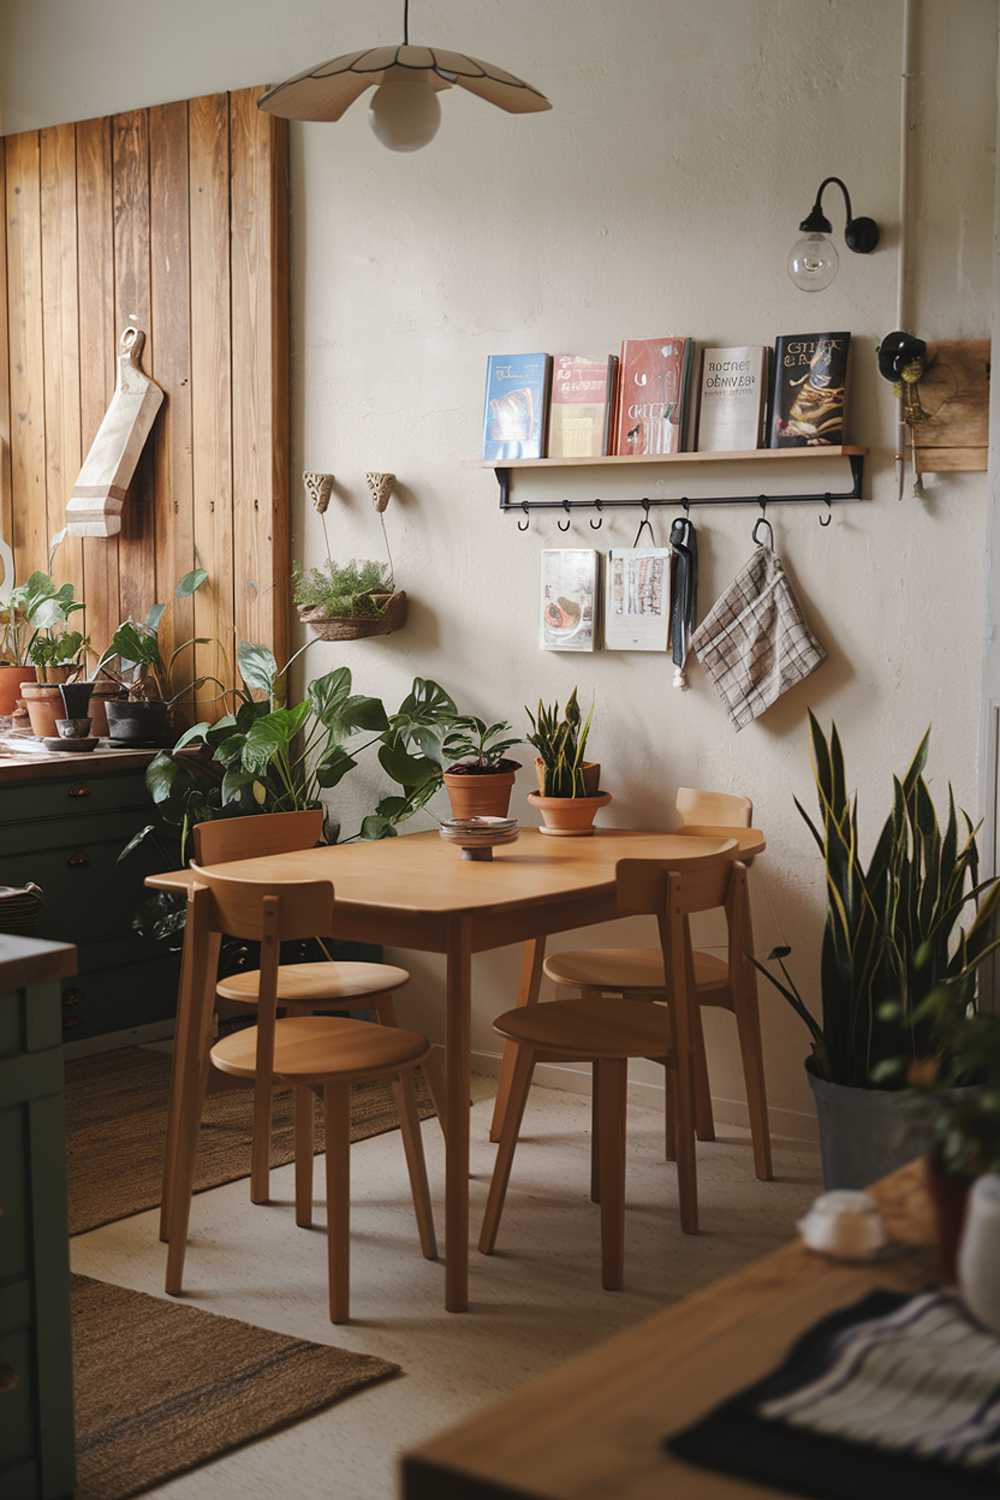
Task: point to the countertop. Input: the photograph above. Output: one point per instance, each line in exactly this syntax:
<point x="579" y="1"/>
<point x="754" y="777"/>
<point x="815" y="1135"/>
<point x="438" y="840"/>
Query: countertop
<point x="18" y="765"/>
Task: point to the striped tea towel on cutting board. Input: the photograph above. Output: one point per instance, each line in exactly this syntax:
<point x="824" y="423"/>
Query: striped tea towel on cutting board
<point x="754" y="642"/>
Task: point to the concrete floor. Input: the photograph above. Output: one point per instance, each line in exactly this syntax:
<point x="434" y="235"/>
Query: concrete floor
<point x="537" y="1302"/>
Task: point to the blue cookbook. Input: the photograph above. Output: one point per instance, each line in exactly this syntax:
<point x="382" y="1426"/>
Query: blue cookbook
<point x="515" y="417"/>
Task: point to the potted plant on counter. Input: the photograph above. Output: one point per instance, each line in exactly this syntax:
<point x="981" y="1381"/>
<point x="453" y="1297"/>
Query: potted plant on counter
<point x="480" y="778"/>
<point x="893" y="937"/>
<point x="36" y="651"/>
<point x="569" y="795"/>
<point x="144" y="717"/>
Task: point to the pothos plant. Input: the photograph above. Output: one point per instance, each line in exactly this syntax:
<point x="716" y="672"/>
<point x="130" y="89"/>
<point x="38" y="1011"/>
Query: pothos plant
<point x="135" y="646"/>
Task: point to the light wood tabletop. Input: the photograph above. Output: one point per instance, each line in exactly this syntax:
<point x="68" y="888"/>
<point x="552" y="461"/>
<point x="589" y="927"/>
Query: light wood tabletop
<point x="416" y="892"/>
<point x="594" y="1426"/>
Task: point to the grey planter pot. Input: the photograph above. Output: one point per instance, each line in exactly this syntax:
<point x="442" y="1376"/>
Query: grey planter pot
<point x="863" y="1133"/>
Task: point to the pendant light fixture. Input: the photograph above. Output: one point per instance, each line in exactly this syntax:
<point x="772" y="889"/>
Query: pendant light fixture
<point x="813" y="260"/>
<point x="404" y="111"/>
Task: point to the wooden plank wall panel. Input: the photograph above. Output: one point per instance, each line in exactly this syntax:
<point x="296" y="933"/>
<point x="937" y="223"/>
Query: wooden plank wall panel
<point x="176" y="216"/>
<point x="98" y="340"/>
<point x="61" y="340"/>
<point x="27" y="370"/>
<point x="170" y="300"/>
<point x="211" y="386"/>
<point x="260" y="307"/>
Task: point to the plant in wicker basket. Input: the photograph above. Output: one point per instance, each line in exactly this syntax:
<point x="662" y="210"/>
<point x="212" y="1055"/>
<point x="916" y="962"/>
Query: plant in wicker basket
<point x="348" y="601"/>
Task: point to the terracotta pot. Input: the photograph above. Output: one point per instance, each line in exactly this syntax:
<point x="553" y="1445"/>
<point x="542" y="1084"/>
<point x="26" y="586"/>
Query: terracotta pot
<point x="591" y="776"/>
<point x="45" y="706"/>
<point x="104" y="693"/>
<point x="56" y="674"/>
<point x="10" y="686"/>
<point x="949" y="1197"/>
<point x="569" y="817"/>
<point x="480" y="796"/>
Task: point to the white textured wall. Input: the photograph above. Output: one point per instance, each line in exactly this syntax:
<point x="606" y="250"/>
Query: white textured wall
<point x="660" y="195"/>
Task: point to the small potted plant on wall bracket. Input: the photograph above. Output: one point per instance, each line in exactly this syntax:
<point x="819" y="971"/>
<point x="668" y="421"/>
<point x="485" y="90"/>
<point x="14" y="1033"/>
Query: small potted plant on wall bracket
<point x="349" y="601"/>
<point x="569" y="795"/>
<point x="481" y="777"/>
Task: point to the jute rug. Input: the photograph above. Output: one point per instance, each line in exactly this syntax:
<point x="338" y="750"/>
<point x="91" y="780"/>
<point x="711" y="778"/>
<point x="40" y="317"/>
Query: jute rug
<point x="161" y="1388"/>
<point x="116" y="1122"/>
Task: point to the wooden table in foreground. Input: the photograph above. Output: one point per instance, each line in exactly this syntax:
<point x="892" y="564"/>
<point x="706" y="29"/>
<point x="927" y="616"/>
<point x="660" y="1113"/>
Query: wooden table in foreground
<point x="593" y="1427"/>
<point x="415" y="892"/>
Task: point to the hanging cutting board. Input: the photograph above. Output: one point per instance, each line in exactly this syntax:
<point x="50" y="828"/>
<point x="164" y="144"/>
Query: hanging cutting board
<point x="955" y="393"/>
<point x="95" y="506"/>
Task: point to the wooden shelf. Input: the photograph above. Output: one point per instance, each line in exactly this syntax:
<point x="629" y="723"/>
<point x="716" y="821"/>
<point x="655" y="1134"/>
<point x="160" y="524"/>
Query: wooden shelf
<point x="752" y="455"/>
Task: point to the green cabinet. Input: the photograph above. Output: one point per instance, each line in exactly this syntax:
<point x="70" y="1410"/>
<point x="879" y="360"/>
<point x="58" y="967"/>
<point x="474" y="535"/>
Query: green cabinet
<point x="36" y="1384"/>
<point x="65" y="833"/>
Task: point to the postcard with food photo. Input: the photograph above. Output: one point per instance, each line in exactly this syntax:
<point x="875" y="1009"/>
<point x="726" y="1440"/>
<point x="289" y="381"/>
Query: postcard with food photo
<point x="569" y="599"/>
<point x="637" y="601"/>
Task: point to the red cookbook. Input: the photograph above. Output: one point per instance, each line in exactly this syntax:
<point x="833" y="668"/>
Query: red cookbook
<point x="654" y="383"/>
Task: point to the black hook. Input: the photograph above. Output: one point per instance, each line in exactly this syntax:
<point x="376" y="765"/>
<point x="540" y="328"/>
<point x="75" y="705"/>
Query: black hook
<point x="600" y="518"/>
<point x="644" y="525"/>
<point x="763" y="521"/>
<point x="569" y="518"/>
<point x="686" y="504"/>
<point x="523" y="525"/>
<point x="829" y="510"/>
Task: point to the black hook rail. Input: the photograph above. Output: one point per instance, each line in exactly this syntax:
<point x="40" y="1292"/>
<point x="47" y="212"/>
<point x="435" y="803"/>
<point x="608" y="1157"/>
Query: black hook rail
<point x="686" y="502"/>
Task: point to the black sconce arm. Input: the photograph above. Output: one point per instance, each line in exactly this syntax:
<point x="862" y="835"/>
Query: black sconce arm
<point x="860" y="235"/>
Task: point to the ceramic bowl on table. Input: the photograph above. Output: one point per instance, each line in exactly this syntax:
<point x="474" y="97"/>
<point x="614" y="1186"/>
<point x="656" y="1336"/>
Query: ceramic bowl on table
<point x="478" y="837"/>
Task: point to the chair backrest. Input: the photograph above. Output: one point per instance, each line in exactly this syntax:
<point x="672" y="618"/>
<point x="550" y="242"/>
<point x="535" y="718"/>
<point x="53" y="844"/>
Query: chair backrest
<point x="275" y="909"/>
<point x="224" y="839"/>
<point x="713" y="809"/>
<point x="698" y="882"/>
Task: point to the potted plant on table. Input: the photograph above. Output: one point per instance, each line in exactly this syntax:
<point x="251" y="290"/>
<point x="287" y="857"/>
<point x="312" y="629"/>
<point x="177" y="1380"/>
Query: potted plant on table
<point x="893" y="938"/>
<point x="569" y="795"/>
<point x="480" y="778"/>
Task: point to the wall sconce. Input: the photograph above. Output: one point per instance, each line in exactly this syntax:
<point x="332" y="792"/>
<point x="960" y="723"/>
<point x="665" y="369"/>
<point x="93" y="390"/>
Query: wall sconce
<point x="813" y="259"/>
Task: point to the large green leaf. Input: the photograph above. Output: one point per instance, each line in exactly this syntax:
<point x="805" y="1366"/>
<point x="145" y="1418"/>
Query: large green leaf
<point x="196" y="732"/>
<point x="408" y="770"/>
<point x="161" y="774"/>
<point x="334" y="766"/>
<point x="362" y="712"/>
<point x="190" y="583"/>
<point x="272" y="736"/>
<point x="258" y="666"/>
<point x="327" y="695"/>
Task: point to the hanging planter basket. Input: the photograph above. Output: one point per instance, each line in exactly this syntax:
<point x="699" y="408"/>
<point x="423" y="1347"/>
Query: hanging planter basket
<point x="357" y="627"/>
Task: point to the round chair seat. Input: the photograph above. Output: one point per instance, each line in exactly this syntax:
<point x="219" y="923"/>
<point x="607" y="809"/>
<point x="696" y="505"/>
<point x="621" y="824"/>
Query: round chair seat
<point x="316" y="1049"/>
<point x="588" y="1029"/>
<point x="629" y="969"/>
<point x="314" y="984"/>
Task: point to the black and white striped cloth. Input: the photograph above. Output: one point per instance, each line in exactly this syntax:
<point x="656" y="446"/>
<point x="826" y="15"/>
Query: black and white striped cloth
<point x="895" y="1390"/>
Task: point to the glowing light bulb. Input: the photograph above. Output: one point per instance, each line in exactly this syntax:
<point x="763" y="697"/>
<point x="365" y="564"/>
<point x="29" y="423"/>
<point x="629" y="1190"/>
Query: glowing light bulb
<point x="813" y="262"/>
<point x="404" y="112"/>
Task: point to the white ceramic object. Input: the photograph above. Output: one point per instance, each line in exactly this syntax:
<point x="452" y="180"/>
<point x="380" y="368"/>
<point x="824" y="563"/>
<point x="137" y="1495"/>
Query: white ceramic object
<point x="979" y="1252"/>
<point x="846" y="1225"/>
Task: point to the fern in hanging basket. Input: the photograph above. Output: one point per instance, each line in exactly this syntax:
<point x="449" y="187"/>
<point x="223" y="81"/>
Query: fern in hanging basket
<point x="346" y="601"/>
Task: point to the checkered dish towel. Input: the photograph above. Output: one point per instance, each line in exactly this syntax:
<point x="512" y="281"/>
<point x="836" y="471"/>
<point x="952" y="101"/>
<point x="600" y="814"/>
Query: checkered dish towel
<point x="754" y="642"/>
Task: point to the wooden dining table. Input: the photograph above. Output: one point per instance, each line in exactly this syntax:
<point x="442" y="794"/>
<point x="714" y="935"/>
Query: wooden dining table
<point x="416" y="892"/>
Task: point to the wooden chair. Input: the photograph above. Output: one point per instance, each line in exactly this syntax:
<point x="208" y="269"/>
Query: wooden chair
<point x="591" y="1030"/>
<point x="728" y="983"/>
<point x="302" y="988"/>
<point x="324" y="1054"/>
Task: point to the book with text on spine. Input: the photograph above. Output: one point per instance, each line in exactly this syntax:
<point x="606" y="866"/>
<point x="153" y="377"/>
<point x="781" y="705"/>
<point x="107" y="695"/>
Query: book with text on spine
<point x="732" y="395"/>
<point x="654" y="386"/>
<point x="517" y="406"/>
<point x="581" y="406"/>
<point x="809" y="390"/>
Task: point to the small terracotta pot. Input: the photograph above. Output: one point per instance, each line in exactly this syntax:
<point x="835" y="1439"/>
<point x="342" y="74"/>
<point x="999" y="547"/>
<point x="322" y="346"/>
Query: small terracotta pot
<point x="480" y="796"/>
<point x="56" y="675"/>
<point x="10" y="686"/>
<point x="104" y="693"/>
<point x="45" y="706"/>
<point x="569" y="817"/>
<point x="591" y="776"/>
<point x="949" y="1196"/>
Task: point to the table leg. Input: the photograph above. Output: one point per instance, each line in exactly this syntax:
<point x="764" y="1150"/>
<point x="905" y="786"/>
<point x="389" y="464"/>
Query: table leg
<point x="457" y="1071"/>
<point x="531" y="980"/>
<point x="186" y="1004"/>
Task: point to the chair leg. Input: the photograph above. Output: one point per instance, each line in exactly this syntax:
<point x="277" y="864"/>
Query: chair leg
<point x="260" y="1157"/>
<point x="337" y="1105"/>
<point x="669" y="1116"/>
<point x="704" y="1120"/>
<point x="413" y="1145"/>
<point x="524" y="1067"/>
<point x="432" y="1066"/>
<point x="613" y="1092"/>
<point x="687" y="1165"/>
<point x="595" y="1135"/>
<point x="752" y="1054"/>
<point x="532" y="962"/>
<point x="303" y="1157"/>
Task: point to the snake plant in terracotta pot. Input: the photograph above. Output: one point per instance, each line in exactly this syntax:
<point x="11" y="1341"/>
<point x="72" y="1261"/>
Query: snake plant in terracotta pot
<point x="569" y="795"/>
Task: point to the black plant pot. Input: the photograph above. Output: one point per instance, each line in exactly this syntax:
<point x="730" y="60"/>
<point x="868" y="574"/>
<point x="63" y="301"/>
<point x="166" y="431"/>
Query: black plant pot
<point x="140" y="723"/>
<point x="76" y="698"/>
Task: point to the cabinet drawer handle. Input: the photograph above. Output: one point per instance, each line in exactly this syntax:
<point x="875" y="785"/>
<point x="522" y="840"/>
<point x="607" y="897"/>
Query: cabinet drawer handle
<point x="78" y="860"/>
<point x="8" y="1378"/>
<point x="79" y="789"/>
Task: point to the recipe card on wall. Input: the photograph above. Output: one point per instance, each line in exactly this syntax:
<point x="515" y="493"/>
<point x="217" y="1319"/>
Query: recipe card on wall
<point x="637" y="599"/>
<point x="569" y="599"/>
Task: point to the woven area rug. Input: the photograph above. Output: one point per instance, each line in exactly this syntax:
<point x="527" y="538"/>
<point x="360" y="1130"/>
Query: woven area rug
<point x="116" y="1121"/>
<point x="160" y="1388"/>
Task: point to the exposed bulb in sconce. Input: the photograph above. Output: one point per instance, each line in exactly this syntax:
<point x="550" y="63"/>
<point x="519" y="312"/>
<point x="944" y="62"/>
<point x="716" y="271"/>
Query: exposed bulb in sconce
<point x="404" y="112"/>
<point x="813" y="262"/>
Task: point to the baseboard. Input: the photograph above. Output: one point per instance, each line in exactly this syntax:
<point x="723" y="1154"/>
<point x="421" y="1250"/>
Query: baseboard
<point x="786" y="1124"/>
<point x="113" y="1041"/>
